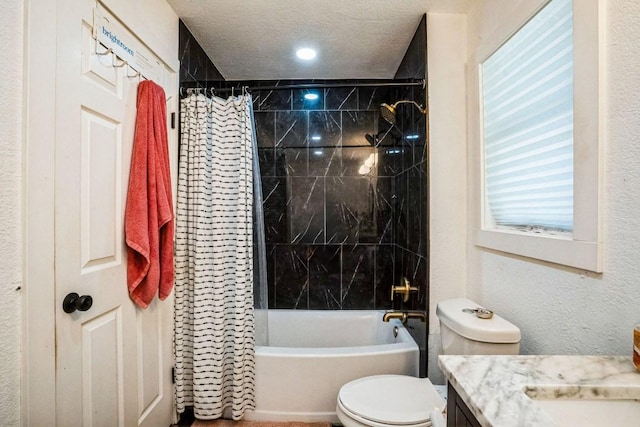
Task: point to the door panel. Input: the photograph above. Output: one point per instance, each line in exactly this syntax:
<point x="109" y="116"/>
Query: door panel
<point x="102" y="370"/>
<point x="151" y="364"/>
<point x="101" y="192"/>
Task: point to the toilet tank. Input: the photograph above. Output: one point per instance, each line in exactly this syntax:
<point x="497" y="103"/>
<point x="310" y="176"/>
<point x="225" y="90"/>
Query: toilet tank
<point x="464" y="333"/>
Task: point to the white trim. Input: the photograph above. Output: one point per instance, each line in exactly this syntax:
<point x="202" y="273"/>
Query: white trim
<point x="38" y="366"/>
<point x="558" y="250"/>
<point x="589" y="119"/>
<point x="585" y="249"/>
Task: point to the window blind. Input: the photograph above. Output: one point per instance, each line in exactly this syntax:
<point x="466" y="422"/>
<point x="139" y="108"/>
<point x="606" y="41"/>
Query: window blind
<point x="527" y="99"/>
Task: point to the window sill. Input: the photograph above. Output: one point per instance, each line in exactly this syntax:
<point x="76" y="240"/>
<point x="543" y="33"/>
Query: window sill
<point x="558" y="250"/>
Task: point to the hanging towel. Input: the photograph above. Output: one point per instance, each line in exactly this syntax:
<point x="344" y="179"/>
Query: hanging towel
<point x="149" y="224"/>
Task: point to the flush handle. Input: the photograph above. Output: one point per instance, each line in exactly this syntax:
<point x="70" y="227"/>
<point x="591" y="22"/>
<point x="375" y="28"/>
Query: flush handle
<point x="403" y="289"/>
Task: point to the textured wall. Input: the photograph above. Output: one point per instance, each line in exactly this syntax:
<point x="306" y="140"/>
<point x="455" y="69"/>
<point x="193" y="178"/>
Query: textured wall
<point x="562" y="310"/>
<point x="10" y="222"/>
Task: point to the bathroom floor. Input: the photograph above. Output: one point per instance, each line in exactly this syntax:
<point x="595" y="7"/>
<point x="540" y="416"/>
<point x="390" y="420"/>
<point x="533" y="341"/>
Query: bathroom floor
<point x="227" y="423"/>
<point x="188" y="420"/>
<point x="442" y="391"/>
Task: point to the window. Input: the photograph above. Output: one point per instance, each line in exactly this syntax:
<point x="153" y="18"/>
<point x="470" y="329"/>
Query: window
<point x="527" y="97"/>
<point x="540" y="130"/>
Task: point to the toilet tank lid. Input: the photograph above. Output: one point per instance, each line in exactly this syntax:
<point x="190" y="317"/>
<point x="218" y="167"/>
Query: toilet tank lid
<point x="495" y="330"/>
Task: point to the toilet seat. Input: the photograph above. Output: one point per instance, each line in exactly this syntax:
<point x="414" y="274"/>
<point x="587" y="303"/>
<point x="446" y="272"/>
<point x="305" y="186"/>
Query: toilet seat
<point x="389" y="400"/>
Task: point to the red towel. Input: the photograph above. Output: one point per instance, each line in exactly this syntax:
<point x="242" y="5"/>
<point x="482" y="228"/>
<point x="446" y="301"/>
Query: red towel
<point x="148" y="215"/>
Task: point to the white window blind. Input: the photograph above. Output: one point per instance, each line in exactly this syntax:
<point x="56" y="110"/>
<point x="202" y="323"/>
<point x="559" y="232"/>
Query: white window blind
<point x="527" y="100"/>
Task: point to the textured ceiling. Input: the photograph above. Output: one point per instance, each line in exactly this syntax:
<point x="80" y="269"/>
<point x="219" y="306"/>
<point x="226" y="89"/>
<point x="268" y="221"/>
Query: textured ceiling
<point x="257" y="39"/>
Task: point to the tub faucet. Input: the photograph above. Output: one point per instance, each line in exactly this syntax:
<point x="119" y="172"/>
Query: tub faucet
<point x="404" y="315"/>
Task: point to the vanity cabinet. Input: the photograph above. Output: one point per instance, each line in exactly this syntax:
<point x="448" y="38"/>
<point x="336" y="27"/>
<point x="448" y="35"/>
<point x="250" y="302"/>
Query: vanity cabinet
<point x="458" y="414"/>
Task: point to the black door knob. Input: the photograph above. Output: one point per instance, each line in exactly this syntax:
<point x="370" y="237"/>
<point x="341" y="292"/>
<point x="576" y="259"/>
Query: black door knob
<point x="73" y="302"/>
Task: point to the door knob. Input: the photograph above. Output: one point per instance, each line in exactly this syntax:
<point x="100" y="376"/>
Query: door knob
<point x="73" y="302"/>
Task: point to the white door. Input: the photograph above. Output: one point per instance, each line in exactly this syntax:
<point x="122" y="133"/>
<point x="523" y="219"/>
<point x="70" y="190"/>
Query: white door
<point x="113" y="361"/>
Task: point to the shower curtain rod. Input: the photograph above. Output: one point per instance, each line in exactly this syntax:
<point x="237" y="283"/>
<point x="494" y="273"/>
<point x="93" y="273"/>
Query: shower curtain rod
<point x="377" y="83"/>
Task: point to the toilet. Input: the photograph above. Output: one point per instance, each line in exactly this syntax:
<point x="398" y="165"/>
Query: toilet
<point x="400" y="400"/>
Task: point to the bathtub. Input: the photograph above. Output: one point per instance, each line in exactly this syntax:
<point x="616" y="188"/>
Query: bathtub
<point x="311" y="354"/>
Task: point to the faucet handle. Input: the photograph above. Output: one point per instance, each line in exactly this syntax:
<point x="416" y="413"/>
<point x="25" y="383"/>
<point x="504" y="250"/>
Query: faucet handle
<point x="404" y="289"/>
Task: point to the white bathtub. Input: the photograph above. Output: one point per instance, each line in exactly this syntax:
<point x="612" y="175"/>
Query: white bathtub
<point x="311" y="354"/>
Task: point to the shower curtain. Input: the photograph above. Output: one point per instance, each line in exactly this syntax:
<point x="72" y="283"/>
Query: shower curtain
<point x="214" y="311"/>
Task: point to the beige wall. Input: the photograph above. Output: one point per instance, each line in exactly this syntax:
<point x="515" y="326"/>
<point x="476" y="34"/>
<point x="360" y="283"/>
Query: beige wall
<point x="563" y="310"/>
<point x="447" y="54"/>
<point x="11" y="30"/>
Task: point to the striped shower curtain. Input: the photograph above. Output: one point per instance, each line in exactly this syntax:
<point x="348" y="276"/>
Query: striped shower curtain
<point x="214" y="315"/>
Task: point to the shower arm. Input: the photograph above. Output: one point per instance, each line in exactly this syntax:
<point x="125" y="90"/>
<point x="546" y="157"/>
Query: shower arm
<point x="422" y="109"/>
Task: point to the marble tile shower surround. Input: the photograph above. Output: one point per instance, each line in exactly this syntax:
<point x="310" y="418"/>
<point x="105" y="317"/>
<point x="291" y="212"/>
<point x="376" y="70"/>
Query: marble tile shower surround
<point x="337" y="238"/>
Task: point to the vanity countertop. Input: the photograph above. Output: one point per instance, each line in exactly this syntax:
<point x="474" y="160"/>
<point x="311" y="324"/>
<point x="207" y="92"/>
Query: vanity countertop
<point x="493" y="387"/>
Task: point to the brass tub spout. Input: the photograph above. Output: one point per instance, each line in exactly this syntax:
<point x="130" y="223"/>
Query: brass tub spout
<point x="404" y="315"/>
<point x="388" y="315"/>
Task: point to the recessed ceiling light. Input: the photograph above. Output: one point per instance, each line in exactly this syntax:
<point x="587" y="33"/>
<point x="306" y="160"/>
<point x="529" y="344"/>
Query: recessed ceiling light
<point x="412" y="136"/>
<point x="306" y="53"/>
<point x="311" y="96"/>
<point x="316" y="137"/>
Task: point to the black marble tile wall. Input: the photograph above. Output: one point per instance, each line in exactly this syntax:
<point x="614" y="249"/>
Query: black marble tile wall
<point x="344" y="194"/>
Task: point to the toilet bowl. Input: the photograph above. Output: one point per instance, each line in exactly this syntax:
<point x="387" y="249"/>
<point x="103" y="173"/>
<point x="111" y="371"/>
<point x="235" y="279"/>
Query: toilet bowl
<point x="400" y="400"/>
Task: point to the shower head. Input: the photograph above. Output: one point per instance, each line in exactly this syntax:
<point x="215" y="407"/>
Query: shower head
<point x="388" y="112"/>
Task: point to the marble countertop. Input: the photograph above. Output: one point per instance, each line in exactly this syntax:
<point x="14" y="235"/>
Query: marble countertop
<point x="497" y="388"/>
